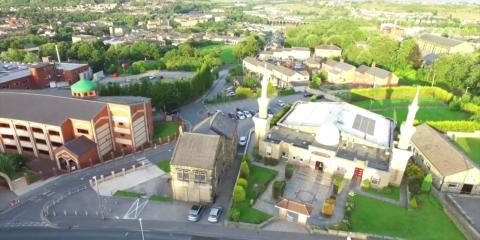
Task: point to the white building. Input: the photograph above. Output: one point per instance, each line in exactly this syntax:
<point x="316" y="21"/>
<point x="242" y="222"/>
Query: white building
<point x="279" y="75"/>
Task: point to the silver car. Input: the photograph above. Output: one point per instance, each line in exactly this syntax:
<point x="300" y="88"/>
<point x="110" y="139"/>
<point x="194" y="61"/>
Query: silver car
<point x="215" y="214"/>
<point x="195" y="213"/>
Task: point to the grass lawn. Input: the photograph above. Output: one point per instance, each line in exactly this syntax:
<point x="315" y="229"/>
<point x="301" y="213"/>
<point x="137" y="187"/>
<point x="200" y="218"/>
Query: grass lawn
<point x="389" y="192"/>
<point x="127" y="194"/>
<point x="164" y="165"/>
<point x="471" y="146"/>
<point x="430" y="110"/>
<point x="226" y="52"/>
<point x="161" y="198"/>
<point x="428" y="221"/>
<point x="257" y="184"/>
<point x="164" y="129"/>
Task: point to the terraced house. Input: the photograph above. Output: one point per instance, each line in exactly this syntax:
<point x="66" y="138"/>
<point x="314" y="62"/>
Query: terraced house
<point x="72" y="129"/>
<point x="279" y="75"/>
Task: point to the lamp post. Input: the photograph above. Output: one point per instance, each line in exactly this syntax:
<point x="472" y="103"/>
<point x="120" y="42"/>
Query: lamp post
<point x="141" y="227"/>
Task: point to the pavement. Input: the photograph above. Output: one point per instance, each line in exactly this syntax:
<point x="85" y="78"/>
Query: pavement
<point x="5" y="197"/>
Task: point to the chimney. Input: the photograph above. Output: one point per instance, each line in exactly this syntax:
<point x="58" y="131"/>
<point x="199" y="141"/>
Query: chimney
<point x="373" y="64"/>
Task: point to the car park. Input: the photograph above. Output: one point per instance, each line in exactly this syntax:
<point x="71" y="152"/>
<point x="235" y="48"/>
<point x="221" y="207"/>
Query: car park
<point x="242" y="141"/>
<point x="195" y="213"/>
<point x="240" y="115"/>
<point x="248" y="114"/>
<point x="215" y="214"/>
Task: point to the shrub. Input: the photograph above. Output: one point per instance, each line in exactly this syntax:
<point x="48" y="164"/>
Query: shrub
<point x="343" y="225"/>
<point x="455" y="126"/>
<point x="286" y="92"/>
<point x="270" y="161"/>
<point x="337" y="184"/>
<point x="256" y="153"/>
<point x="366" y="183"/>
<point x="278" y="188"/>
<point x="427" y="183"/>
<point x="244" y="92"/>
<point x="455" y="105"/>
<point x="413" y="202"/>
<point x="244" y="170"/>
<point x="313" y="98"/>
<point x="234" y="215"/>
<point x="289" y="169"/>
<point x="237" y="70"/>
<point x="242" y="182"/>
<point x="258" y="189"/>
<point x="238" y="194"/>
<point x="280" y="114"/>
<point x="245" y="158"/>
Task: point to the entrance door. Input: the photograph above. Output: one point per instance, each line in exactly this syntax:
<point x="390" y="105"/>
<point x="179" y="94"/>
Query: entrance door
<point x="358" y="173"/>
<point x="319" y="166"/>
<point x="466" y="188"/>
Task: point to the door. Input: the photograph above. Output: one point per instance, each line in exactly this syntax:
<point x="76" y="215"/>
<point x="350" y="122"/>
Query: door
<point x="319" y="166"/>
<point x="358" y="173"/>
<point x="466" y="188"/>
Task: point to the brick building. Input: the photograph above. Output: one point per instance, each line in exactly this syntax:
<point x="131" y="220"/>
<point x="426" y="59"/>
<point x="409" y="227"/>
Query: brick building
<point x="74" y="129"/>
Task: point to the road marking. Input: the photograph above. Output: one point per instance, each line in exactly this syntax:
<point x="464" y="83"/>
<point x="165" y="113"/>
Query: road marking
<point x="135" y="209"/>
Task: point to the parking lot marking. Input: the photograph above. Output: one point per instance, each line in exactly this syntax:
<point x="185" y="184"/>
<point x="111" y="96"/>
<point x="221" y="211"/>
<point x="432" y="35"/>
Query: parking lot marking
<point x="135" y="209"/>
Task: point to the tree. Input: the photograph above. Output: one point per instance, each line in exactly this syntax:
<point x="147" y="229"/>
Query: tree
<point x="427" y="183"/>
<point x="238" y="194"/>
<point x="244" y="170"/>
<point x="242" y="182"/>
<point x="408" y="55"/>
<point x="278" y="189"/>
<point x="30" y="58"/>
<point x="249" y="82"/>
<point x="12" y="55"/>
<point x="234" y="214"/>
<point x="248" y="47"/>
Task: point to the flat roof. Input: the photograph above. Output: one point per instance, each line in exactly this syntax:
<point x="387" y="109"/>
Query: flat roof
<point x="70" y="66"/>
<point x="348" y="118"/>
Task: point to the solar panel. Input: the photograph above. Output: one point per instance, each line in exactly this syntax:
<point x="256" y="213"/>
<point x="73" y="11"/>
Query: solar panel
<point x="364" y="124"/>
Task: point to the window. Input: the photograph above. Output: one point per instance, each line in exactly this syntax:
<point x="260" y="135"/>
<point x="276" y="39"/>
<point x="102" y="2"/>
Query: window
<point x="452" y="185"/>
<point x="200" y="176"/>
<point x="7" y="136"/>
<point x="11" y="147"/>
<point x="5" y="125"/>
<point x="20" y="127"/>
<point x="374" y="180"/>
<point x="54" y="133"/>
<point x="120" y="124"/>
<point x="41" y="141"/>
<point x="122" y="135"/>
<point x="56" y="144"/>
<point x="22" y="138"/>
<point x="43" y="152"/>
<point x="182" y="175"/>
<point x="37" y="130"/>
<point x="82" y="131"/>
<point x="27" y="149"/>
<point x="124" y="145"/>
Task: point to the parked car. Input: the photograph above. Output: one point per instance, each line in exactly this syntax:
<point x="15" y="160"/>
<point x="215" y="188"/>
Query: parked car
<point x="281" y="103"/>
<point x="238" y="109"/>
<point x="240" y="115"/>
<point x="318" y="97"/>
<point x="231" y="94"/>
<point x="307" y="95"/>
<point x="215" y="214"/>
<point x="195" y="213"/>
<point x="248" y="114"/>
<point x="242" y="141"/>
<point x="151" y="77"/>
<point x="232" y="115"/>
<point x="230" y="89"/>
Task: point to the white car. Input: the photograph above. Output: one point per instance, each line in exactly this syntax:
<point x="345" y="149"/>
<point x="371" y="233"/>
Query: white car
<point x="240" y="115"/>
<point x="215" y="214"/>
<point x="242" y="141"/>
<point x="248" y="114"/>
<point x="281" y="103"/>
<point x="230" y="94"/>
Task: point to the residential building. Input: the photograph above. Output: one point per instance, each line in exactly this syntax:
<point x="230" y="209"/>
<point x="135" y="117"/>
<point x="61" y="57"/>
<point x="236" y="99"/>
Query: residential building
<point x="278" y="75"/>
<point x="336" y="138"/>
<point x="284" y="54"/>
<point x="201" y="158"/>
<point x="438" y="45"/>
<point x="118" y="30"/>
<point x="47" y="124"/>
<point x="83" y="38"/>
<point x="192" y="19"/>
<point x="374" y="77"/>
<point x="451" y="169"/>
<point x="339" y="72"/>
<point x="327" y="51"/>
<point x="41" y="75"/>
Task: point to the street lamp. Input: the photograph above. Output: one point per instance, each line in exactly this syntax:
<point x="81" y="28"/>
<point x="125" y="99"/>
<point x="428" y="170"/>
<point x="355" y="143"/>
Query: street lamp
<point x="141" y="228"/>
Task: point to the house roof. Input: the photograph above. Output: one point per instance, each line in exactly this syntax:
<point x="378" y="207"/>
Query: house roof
<point x="78" y="146"/>
<point x="378" y="72"/>
<point x="439" y="40"/>
<point x="223" y="125"/>
<point x="363" y="69"/>
<point x="440" y="151"/>
<point x="196" y="150"/>
<point x="294" y="206"/>
<point x="84" y="85"/>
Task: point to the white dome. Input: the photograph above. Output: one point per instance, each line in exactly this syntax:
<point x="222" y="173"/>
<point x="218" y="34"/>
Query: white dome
<point x="328" y="134"/>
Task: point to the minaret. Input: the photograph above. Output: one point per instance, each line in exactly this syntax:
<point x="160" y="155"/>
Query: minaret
<point x="262" y="121"/>
<point x="407" y="129"/>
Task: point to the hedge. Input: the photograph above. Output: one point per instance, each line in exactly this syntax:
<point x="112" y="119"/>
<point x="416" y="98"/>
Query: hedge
<point x="455" y="126"/>
<point x="278" y="188"/>
<point x="280" y="114"/>
<point x="289" y="169"/>
<point x="404" y="92"/>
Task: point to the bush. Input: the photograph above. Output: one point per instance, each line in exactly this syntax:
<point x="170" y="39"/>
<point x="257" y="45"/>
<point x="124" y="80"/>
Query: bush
<point x="238" y="194"/>
<point x="337" y="184"/>
<point x="234" y="215"/>
<point x="270" y="161"/>
<point x="245" y="158"/>
<point x="244" y="170"/>
<point x="242" y="182"/>
<point x="237" y="70"/>
<point x="366" y="184"/>
<point x="289" y="169"/>
<point x="280" y="114"/>
<point x="455" y="105"/>
<point x="455" y="126"/>
<point x="258" y="189"/>
<point x="278" y="188"/>
<point x="249" y="82"/>
<point x="286" y="92"/>
<point x="413" y="202"/>
<point x="427" y="183"/>
<point x="244" y="92"/>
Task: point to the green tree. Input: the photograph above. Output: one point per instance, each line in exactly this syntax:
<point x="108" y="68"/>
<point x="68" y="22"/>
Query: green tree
<point x="234" y="214"/>
<point x="242" y="182"/>
<point x="238" y="194"/>
<point x="30" y="58"/>
<point x="244" y="170"/>
<point x="248" y="47"/>
<point x="427" y="183"/>
<point x="12" y="55"/>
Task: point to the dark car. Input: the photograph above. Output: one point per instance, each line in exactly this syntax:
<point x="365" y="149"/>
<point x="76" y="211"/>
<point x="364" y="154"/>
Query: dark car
<point x="319" y="97"/>
<point x="173" y="112"/>
<point x="307" y="95"/>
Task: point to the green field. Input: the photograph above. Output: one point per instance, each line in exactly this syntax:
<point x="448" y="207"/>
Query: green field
<point x="430" y="110"/>
<point x="164" y="129"/>
<point x="428" y="221"/>
<point x="164" y="165"/>
<point x="389" y="192"/>
<point x="226" y="52"/>
<point x="471" y="146"/>
<point x="258" y="181"/>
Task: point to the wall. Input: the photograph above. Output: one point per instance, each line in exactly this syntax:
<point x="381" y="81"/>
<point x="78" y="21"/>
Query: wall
<point x="19" y="83"/>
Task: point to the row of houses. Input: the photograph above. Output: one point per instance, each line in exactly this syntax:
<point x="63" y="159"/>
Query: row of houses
<point x="301" y="53"/>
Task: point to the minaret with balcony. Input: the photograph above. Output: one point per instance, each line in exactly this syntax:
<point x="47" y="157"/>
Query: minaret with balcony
<point x="407" y="129"/>
<point x="262" y="121"/>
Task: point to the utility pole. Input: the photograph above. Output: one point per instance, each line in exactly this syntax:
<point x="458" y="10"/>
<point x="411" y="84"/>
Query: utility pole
<point x="141" y="227"/>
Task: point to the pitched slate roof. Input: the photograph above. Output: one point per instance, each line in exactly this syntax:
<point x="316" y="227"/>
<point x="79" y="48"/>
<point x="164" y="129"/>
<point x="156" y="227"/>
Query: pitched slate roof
<point x="78" y="146"/>
<point x="440" y="151"/>
<point x="196" y="150"/>
<point x="439" y="40"/>
<point x="223" y="125"/>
